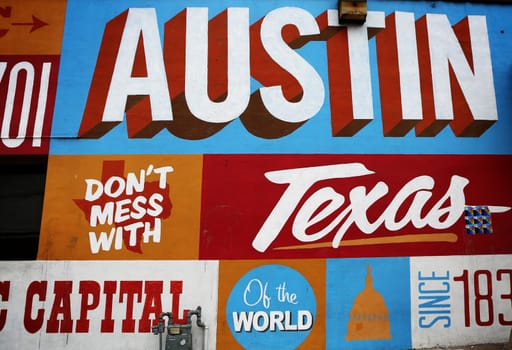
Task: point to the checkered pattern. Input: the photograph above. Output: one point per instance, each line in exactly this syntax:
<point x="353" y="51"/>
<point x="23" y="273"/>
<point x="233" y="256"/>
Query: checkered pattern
<point x="478" y="219"/>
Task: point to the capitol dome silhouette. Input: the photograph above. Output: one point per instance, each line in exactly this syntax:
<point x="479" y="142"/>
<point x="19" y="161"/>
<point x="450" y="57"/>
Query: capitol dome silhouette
<point x="369" y="317"/>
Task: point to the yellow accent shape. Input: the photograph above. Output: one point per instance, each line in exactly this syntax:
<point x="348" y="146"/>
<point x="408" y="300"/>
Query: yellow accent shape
<point x="447" y="237"/>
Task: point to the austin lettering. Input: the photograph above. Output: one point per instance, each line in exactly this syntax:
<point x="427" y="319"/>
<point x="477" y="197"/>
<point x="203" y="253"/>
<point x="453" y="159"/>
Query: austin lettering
<point x="431" y="74"/>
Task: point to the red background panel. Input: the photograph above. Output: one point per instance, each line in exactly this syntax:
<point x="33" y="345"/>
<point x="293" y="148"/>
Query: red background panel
<point x="32" y="102"/>
<point x="237" y="199"/>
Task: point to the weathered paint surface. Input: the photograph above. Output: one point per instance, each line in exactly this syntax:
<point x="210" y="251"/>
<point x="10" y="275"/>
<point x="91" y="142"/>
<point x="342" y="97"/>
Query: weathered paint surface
<point x="70" y="304"/>
<point x="348" y="186"/>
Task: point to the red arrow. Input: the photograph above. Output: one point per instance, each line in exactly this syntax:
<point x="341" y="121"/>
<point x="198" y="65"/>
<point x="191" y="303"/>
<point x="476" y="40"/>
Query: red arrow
<point x="36" y="24"/>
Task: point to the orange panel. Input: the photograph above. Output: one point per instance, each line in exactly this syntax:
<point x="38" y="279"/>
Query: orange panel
<point x="67" y="226"/>
<point x="231" y="271"/>
<point x="31" y="26"/>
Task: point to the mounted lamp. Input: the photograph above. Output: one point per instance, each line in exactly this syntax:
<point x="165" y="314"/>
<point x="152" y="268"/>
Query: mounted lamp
<point x="352" y="12"/>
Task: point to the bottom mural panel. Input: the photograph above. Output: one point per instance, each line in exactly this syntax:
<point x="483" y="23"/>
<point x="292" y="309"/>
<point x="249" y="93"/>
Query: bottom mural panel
<point x="103" y="305"/>
<point x="365" y="303"/>
<point x="461" y="300"/>
<point x="348" y="303"/>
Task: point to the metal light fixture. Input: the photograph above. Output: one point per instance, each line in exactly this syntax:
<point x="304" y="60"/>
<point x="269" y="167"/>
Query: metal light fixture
<point x="352" y="12"/>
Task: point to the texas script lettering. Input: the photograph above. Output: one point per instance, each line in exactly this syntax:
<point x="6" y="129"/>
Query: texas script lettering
<point x="324" y="203"/>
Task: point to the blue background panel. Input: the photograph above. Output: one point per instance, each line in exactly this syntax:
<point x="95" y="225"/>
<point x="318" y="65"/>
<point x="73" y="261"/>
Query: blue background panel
<point x="85" y="23"/>
<point x="347" y="279"/>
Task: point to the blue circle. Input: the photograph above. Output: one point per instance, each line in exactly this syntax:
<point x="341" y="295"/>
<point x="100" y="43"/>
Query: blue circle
<point x="271" y="307"/>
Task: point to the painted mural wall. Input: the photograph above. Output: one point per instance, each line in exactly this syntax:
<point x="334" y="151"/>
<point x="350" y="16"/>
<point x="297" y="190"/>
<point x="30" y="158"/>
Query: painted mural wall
<point x="309" y="185"/>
